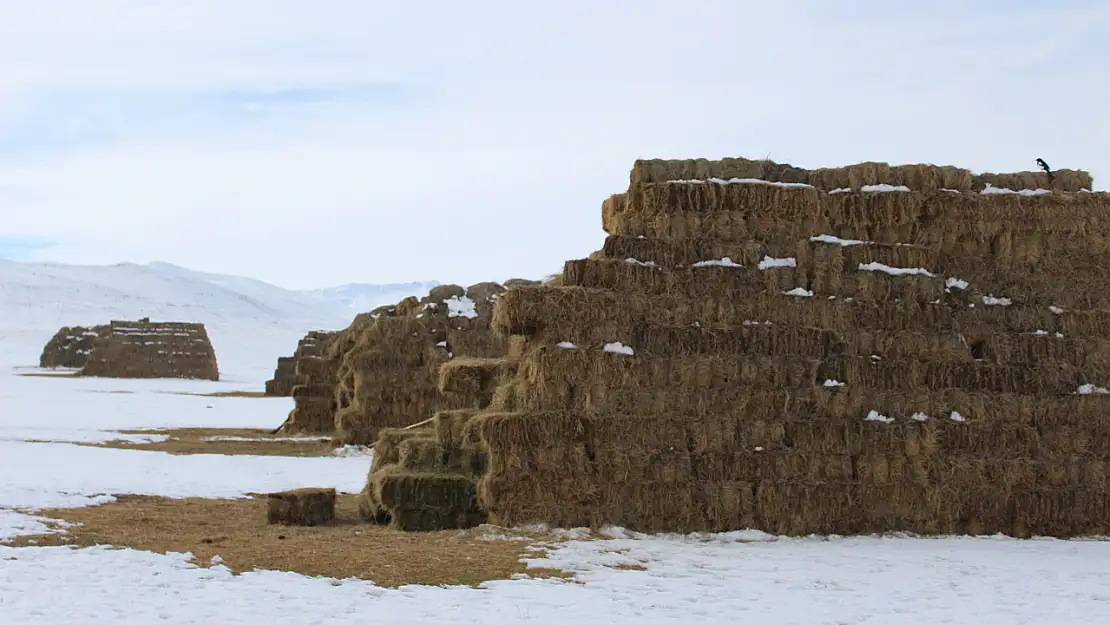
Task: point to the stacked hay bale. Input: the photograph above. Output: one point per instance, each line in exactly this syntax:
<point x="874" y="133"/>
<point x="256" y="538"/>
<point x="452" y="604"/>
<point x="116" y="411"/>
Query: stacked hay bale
<point x="146" y="349"/>
<point x="285" y="375"/>
<point x="314" y="392"/>
<point x="846" y="351"/>
<point x="381" y="371"/>
<point x="390" y="373"/>
<point x="70" y="347"/>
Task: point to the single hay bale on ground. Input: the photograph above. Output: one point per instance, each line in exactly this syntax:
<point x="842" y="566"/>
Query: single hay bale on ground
<point x="305" y="506"/>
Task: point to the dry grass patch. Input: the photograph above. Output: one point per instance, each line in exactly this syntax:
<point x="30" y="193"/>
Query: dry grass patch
<point x="236" y="530"/>
<point x="225" y="441"/>
<point x="240" y="394"/>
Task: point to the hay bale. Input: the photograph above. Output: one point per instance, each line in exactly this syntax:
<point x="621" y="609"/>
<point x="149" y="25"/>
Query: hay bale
<point x="473" y="380"/>
<point x="305" y="506"/>
<point x="422" y="502"/>
<point x="70" y="347"/>
<point x="145" y="349"/>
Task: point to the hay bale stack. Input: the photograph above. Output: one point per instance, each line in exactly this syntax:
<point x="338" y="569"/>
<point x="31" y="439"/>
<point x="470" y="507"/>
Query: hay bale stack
<point x="390" y="373"/>
<point x="146" y="349"/>
<point x="382" y="370"/>
<point x="285" y="375"/>
<point x="425" y="478"/>
<point x="69" y="347"/>
<point x="305" y="506"/>
<point x="770" y="355"/>
<point x="314" y="397"/>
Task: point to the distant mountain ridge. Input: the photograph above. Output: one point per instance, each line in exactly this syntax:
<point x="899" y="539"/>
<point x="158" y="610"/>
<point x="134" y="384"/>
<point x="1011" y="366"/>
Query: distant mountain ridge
<point x="251" y="322"/>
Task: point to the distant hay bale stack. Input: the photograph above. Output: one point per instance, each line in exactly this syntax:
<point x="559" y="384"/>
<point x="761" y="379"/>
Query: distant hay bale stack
<point x="285" y="375"/>
<point x="305" y="506"/>
<point x="146" y="349"/>
<point x="69" y="347"/>
<point x="855" y="350"/>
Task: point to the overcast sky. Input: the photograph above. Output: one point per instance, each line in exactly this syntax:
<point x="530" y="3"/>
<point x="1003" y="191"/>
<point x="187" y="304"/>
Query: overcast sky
<point x="316" y="143"/>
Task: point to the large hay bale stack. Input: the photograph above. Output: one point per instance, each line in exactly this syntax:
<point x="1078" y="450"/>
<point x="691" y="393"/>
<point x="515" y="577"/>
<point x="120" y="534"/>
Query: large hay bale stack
<point x="285" y="375"/>
<point x="69" y="347"/>
<point x="858" y="350"/>
<point x="147" y="349"/>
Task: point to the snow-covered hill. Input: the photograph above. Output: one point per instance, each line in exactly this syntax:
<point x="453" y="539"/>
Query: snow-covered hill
<point x="250" y="322"/>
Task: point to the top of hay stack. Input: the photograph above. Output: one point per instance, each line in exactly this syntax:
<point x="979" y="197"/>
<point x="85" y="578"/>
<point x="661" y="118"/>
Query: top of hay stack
<point x="917" y="177"/>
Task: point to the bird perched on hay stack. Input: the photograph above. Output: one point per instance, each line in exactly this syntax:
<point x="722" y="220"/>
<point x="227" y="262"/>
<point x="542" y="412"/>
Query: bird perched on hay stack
<point x="1043" y="165"/>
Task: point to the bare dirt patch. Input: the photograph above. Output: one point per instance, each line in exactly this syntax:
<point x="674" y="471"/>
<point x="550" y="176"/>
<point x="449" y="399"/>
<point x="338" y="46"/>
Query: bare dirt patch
<point x="226" y="441"/>
<point x="236" y="530"/>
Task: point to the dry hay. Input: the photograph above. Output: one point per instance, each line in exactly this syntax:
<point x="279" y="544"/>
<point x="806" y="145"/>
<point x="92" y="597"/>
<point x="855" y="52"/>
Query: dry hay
<point x="390" y="374"/>
<point x="314" y="398"/>
<point x="919" y="177"/>
<point x="955" y="223"/>
<point x="425" y="479"/>
<point x="473" y="380"/>
<point x="873" y="403"/>
<point x="305" y="506"/>
<point x="661" y="474"/>
<point x="221" y="441"/>
<point x="597" y="316"/>
<point x="1061" y="180"/>
<point x="285" y="377"/>
<point x="69" y="347"/>
<point x="236" y="530"/>
<point x="145" y="349"/>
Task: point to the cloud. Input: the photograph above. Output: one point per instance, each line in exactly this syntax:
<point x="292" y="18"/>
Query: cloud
<point x="316" y="144"/>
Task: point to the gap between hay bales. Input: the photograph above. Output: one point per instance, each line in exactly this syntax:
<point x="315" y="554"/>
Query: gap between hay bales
<point x="226" y="441"/>
<point x="237" y="532"/>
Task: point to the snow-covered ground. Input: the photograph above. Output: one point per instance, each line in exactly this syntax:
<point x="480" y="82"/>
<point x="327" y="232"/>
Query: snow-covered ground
<point x="742" y="577"/>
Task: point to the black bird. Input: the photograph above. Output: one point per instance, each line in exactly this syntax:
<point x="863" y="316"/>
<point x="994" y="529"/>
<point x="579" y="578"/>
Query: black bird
<point x="1043" y="165"/>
